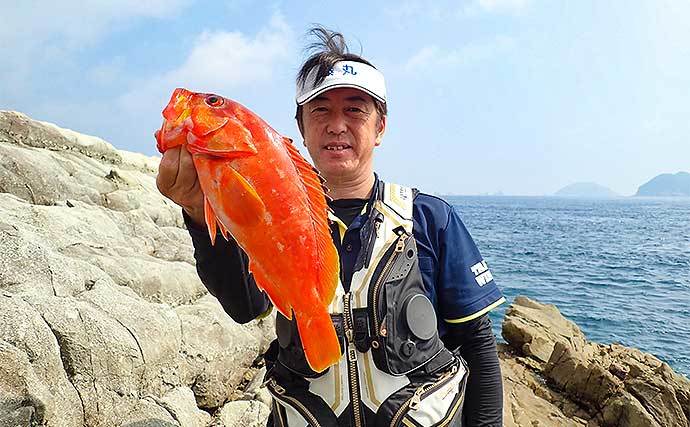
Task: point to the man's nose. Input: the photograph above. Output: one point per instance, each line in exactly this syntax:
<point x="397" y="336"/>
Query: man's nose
<point x="337" y="124"/>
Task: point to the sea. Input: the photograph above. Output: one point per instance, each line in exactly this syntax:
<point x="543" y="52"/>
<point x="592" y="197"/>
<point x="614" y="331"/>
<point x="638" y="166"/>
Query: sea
<point x="619" y="268"/>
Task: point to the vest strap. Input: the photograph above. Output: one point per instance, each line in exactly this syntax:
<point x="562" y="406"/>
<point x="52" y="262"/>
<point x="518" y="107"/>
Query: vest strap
<point x="360" y="317"/>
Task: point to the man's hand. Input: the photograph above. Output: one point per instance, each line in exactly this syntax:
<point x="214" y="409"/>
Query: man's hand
<point x="177" y="180"/>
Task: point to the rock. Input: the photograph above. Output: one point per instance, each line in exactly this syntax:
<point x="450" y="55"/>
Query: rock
<point x="180" y="403"/>
<point x="608" y="385"/>
<point x="103" y="319"/>
<point x="535" y="328"/>
<point x="217" y="351"/>
<point x="104" y="322"/>
<point x="32" y="377"/>
<point x="244" y="413"/>
<point x="528" y="400"/>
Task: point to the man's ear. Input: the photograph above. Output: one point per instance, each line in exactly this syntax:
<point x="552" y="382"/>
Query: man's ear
<point x="298" y="118"/>
<point x="381" y="130"/>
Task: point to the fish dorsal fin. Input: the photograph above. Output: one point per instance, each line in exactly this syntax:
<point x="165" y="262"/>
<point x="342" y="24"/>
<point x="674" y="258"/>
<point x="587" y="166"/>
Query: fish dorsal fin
<point x="316" y="192"/>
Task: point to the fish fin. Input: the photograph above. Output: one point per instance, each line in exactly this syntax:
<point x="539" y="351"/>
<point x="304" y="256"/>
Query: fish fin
<point x="210" y="218"/>
<point x="224" y="231"/>
<point x="275" y="294"/>
<point x="329" y="263"/>
<point x="241" y="202"/>
<point x="319" y="340"/>
<point x="229" y="194"/>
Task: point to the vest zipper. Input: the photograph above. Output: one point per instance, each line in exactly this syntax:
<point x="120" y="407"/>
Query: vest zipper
<point x="399" y="247"/>
<point x="352" y="361"/>
<point x="413" y="402"/>
<point x="280" y="391"/>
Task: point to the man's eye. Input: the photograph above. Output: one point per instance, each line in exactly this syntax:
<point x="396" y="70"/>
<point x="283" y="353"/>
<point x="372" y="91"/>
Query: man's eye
<point x="318" y="109"/>
<point x="356" y="110"/>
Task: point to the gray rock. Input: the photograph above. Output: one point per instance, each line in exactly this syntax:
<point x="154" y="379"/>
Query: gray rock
<point x="607" y="385"/>
<point x="180" y="403"/>
<point x="243" y="413"/>
<point x="103" y="320"/>
<point x="217" y="351"/>
<point x="32" y="377"/>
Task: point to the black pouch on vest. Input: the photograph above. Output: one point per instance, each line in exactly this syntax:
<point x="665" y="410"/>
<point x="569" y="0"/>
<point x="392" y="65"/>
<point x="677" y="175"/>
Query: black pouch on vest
<point x="291" y="393"/>
<point x="407" y="337"/>
<point x="429" y="400"/>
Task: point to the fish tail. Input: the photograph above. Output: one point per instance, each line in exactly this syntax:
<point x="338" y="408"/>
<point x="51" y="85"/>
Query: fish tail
<point x="319" y="340"/>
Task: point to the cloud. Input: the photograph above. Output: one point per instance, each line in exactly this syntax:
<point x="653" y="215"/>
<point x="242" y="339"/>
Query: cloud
<point x="38" y="36"/>
<point x="74" y="22"/>
<point x="227" y="59"/>
<point x="441" y="11"/>
<point x="413" y="9"/>
<point x="510" y="6"/>
<point x="482" y="7"/>
<point x="435" y="57"/>
<point x="219" y="62"/>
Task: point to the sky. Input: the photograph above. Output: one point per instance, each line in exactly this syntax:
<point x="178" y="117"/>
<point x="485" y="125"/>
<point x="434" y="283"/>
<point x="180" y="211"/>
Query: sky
<point x="521" y="97"/>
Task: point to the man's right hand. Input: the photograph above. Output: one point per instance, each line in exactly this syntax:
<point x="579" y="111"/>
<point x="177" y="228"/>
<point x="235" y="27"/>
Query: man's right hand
<point x="177" y="180"/>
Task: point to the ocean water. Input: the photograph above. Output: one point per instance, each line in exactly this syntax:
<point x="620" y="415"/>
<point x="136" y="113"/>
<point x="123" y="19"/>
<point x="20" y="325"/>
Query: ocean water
<point x="619" y="268"/>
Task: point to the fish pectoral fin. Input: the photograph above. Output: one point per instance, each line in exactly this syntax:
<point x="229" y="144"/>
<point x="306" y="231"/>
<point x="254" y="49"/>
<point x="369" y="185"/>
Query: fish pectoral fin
<point x="211" y="220"/>
<point x="244" y="205"/>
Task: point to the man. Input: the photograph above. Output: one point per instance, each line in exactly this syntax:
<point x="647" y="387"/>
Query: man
<point x="412" y="303"/>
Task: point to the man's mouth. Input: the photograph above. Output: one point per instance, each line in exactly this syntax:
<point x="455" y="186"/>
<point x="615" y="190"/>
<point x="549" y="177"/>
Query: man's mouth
<point x="337" y="147"/>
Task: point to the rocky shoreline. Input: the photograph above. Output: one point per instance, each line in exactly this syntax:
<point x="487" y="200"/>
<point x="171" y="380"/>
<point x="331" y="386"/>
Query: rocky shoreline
<point x="103" y="321"/>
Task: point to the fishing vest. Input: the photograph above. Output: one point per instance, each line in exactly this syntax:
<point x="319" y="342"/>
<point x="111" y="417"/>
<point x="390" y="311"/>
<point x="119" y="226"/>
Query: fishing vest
<point x="394" y="369"/>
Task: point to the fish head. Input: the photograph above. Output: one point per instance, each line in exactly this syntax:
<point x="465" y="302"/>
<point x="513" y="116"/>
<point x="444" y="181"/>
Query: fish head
<point x="208" y="123"/>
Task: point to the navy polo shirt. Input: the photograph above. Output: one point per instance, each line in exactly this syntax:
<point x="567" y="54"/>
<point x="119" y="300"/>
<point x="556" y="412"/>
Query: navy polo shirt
<point x="456" y="277"/>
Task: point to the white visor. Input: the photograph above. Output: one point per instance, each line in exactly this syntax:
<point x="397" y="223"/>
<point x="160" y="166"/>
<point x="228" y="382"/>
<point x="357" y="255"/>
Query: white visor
<point x="352" y="74"/>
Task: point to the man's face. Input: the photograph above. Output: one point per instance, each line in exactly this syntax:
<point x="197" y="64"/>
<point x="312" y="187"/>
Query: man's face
<point x="341" y="127"/>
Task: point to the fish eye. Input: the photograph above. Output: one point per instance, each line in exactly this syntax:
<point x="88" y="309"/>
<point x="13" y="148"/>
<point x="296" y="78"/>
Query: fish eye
<point x="214" y="101"/>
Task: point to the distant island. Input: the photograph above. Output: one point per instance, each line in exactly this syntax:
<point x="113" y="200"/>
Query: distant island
<point x="585" y="189"/>
<point x="667" y="185"/>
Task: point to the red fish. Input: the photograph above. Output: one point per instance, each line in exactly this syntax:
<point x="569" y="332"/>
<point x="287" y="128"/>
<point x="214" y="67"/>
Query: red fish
<point x="259" y="189"/>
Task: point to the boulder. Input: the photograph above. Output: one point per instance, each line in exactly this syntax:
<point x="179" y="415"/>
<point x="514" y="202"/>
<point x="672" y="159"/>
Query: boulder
<point x="244" y="413"/>
<point x="607" y="385"/>
<point x="103" y="319"/>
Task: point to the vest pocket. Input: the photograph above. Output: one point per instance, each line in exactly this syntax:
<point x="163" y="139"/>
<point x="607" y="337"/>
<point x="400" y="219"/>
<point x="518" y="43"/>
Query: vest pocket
<point x="434" y="402"/>
<point x="294" y="404"/>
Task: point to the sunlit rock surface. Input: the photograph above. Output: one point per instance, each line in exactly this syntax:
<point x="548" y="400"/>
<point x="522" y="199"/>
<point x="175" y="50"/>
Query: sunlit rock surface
<point x="104" y="322"/>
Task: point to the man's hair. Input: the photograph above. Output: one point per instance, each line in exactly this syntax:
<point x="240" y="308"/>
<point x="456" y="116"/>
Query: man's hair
<point x="328" y="49"/>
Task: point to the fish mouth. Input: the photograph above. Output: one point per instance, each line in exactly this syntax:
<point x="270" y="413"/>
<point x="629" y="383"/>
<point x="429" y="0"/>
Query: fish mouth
<point x="179" y="108"/>
<point x="177" y="121"/>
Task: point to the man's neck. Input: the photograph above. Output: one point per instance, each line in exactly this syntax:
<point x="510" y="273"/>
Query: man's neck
<point x="358" y="188"/>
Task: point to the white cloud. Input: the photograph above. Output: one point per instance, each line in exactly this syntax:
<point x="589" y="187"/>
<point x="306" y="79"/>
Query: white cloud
<point x="440" y="11"/>
<point x="434" y="57"/>
<point x="219" y="61"/>
<point x="413" y="9"/>
<point x="39" y="35"/>
<point x="227" y="59"/>
<point x="480" y="7"/>
<point x="503" y="5"/>
<point x="74" y="21"/>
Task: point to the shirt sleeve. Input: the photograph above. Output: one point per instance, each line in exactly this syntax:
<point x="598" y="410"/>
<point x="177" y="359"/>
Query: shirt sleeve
<point x="466" y="288"/>
<point x="223" y="269"/>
